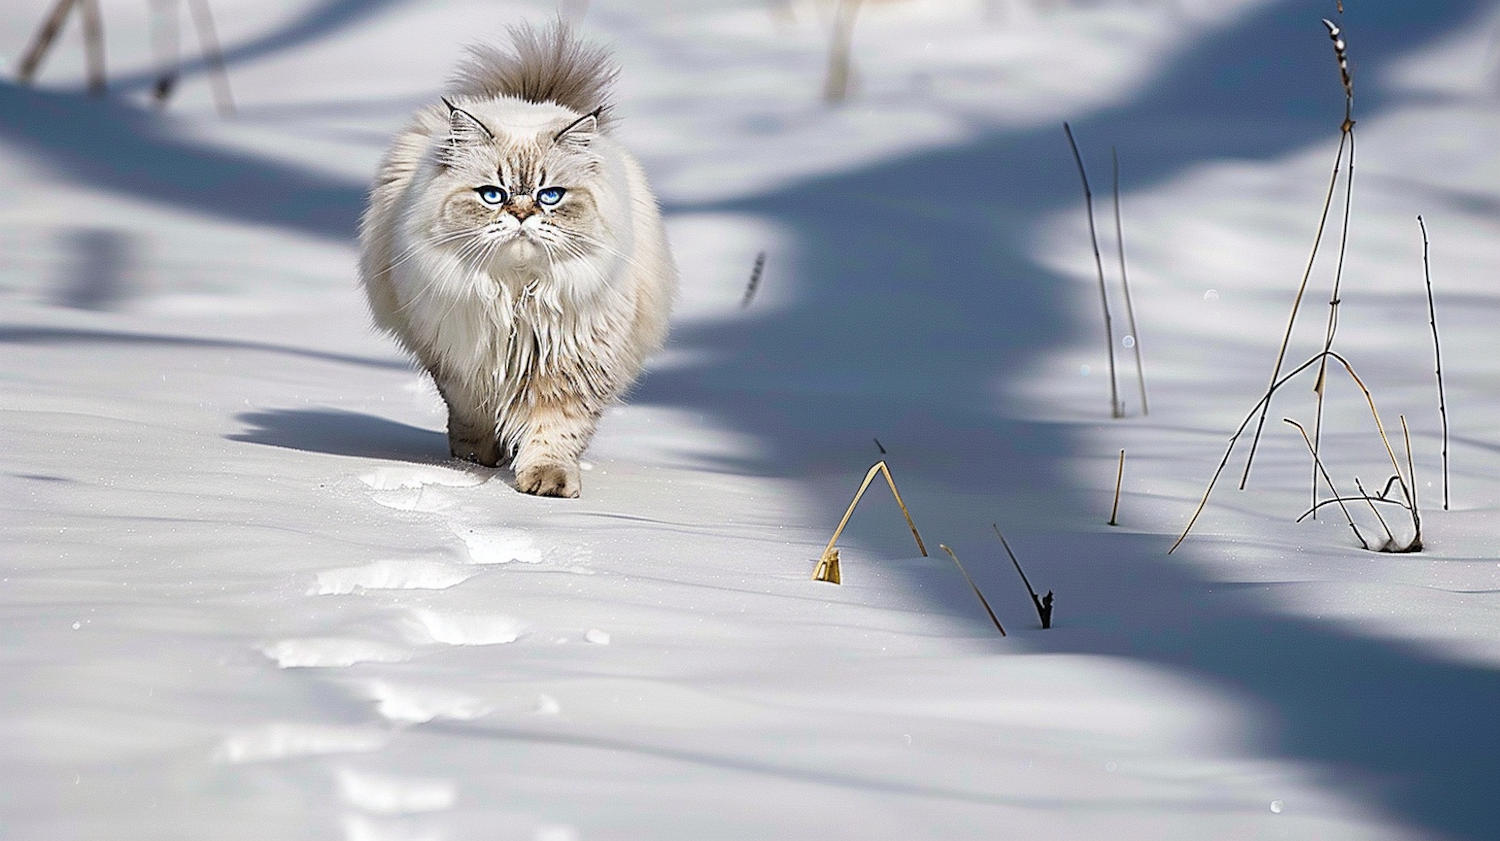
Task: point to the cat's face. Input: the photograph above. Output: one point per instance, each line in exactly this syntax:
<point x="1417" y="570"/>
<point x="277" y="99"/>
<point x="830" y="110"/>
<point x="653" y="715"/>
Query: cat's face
<point x="519" y="196"/>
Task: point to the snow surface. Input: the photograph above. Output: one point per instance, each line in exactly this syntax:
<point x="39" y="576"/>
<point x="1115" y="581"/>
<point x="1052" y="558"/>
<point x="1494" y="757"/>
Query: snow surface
<point x="244" y="595"/>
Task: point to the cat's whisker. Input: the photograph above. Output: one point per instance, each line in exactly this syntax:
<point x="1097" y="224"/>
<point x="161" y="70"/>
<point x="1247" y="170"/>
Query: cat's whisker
<point x="607" y="248"/>
<point x="418" y="247"/>
<point x="434" y="282"/>
<point x="457" y="265"/>
<point x="581" y="258"/>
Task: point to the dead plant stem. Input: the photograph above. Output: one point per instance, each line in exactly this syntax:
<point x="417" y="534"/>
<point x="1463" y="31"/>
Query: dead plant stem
<point x="1109" y="331"/>
<point x="1135" y="336"/>
<point x="1318" y="465"/>
<point x="972" y="586"/>
<point x="1437" y="352"/>
<point x="1264" y="401"/>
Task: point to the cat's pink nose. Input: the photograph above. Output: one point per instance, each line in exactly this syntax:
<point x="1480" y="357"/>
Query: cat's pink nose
<point x="522" y="206"/>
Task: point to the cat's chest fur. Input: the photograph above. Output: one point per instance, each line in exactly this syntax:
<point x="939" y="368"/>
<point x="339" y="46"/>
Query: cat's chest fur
<point x="508" y="325"/>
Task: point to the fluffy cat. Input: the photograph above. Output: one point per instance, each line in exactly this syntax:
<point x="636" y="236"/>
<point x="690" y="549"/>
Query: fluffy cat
<point x="516" y="250"/>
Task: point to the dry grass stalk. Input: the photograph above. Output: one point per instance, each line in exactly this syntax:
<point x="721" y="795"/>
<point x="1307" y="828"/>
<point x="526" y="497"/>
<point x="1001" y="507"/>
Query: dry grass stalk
<point x="1346" y="139"/>
<point x="1043" y="605"/>
<point x="166" y="43"/>
<point x="1318" y="465"/>
<point x="1135" y="336"/>
<point x="1437" y="352"/>
<point x="93" y="44"/>
<point x="836" y="85"/>
<point x="1416" y="510"/>
<point x="754" y="284"/>
<point x="1109" y="331"/>
<point x="1260" y="406"/>
<point x="42" y="42"/>
<point x="1114" y="511"/>
<point x="828" y="565"/>
<point x="1390" y="537"/>
<point x="1341" y="53"/>
<point x="975" y="588"/>
<point x="208" y="39"/>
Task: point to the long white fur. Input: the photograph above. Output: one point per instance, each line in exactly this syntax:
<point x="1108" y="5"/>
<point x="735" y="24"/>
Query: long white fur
<point x="528" y="344"/>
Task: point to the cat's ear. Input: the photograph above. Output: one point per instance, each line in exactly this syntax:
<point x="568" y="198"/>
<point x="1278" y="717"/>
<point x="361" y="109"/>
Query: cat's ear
<point x="464" y="132"/>
<point x="581" y="132"/>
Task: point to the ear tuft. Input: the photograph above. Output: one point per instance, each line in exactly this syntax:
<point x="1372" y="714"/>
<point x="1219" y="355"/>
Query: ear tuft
<point x="465" y="131"/>
<point x="579" y="133"/>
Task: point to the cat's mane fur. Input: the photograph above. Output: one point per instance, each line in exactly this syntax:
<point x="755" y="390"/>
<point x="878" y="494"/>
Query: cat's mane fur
<point x="543" y="66"/>
<point x="528" y="332"/>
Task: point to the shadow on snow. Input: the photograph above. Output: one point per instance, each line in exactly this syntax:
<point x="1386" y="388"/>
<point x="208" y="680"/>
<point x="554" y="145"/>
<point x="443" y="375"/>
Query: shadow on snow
<point x="916" y="299"/>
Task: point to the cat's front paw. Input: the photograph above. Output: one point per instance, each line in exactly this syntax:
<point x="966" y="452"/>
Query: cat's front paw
<point x="549" y="480"/>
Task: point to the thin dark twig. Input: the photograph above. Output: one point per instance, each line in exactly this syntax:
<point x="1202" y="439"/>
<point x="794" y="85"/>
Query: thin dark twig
<point x="1416" y="511"/>
<point x="1345" y="138"/>
<point x="1043" y="609"/>
<point x="1318" y="465"/>
<point x="1266" y="399"/>
<point x="1361" y="498"/>
<point x="1333" y="302"/>
<point x="1370" y="501"/>
<point x="1119" y="478"/>
<point x="1341" y="53"/>
<point x="1260" y="406"/>
<point x="1006" y="544"/>
<point x="1109" y="332"/>
<point x="1286" y="338"/>
<point x="1135" y="336"/>
<point x="754" y="284"/>
<point x="1437" y="353"/>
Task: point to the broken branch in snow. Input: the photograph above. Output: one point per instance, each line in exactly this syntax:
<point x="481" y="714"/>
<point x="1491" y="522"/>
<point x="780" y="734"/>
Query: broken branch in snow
<point x="828" y="565"/>
<point x="1044" y="604"/>
<point x="1114" y="511"/>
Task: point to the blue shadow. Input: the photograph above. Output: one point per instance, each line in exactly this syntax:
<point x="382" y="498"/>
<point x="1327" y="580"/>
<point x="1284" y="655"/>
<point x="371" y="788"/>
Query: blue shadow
<point x="917" y="297"/>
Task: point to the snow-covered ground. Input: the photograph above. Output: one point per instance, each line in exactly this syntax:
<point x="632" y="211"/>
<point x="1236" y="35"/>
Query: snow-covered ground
<point x="243" y="594"/>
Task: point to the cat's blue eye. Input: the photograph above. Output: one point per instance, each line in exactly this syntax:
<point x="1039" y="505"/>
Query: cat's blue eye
<point x="550" y="196"/>
<point x="491" y="195"/>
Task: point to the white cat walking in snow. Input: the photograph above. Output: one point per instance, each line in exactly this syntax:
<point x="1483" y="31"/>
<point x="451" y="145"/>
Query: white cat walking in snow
<point x="517" y="251"/>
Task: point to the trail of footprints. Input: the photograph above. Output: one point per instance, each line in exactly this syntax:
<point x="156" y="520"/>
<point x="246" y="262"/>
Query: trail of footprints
<point x="384" y="807"/>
